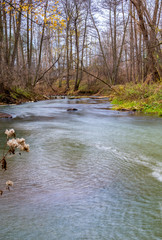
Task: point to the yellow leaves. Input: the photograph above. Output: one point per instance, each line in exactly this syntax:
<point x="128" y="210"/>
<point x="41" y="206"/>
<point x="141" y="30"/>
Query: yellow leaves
<point x="51" y="17"/>
<point x="25" y="8"/>
<point x="63" y="24"/>
<point x="5" y="9"/>
<point x="45" y="20"/>
<point x="55" y="24"/>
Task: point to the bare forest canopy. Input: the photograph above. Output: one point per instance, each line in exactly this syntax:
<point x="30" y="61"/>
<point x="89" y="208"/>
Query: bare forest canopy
<point x="66" y="42"/>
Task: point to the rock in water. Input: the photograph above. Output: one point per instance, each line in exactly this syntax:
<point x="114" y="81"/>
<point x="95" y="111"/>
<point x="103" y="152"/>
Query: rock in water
<point x="5" y="115"/>
<point x="72" y="109"/>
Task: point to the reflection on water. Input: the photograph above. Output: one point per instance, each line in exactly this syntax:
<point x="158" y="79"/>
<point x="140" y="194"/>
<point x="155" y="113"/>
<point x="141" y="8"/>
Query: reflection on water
<point x="93" y="173"/>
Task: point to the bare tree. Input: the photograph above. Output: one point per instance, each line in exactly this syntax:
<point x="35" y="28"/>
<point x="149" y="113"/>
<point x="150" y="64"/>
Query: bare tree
<point x="148" y="25"/>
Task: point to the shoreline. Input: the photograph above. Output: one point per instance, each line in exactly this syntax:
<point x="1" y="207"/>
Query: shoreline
<point x="139" y="98"/>
<point x="121" y="107"/>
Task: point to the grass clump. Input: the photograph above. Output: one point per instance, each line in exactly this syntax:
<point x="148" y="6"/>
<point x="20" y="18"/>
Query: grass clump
<point x="138" y="97"/>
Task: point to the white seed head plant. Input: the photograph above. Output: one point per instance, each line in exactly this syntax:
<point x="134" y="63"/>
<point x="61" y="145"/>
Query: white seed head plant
<point x="9" y="183"/>
<point x="10" y="133"/>
<point x="13" y="144"/>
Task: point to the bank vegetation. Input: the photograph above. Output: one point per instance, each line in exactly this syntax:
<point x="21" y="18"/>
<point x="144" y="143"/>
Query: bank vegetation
<point x="81" y="47"/>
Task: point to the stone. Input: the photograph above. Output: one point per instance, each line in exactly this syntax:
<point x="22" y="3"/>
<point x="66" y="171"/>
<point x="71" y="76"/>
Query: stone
<point x="5" y="115"/>
<point x="72" y="109"/>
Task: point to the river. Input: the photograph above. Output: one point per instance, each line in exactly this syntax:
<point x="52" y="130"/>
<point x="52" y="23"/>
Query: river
<point x="90" y="174"/>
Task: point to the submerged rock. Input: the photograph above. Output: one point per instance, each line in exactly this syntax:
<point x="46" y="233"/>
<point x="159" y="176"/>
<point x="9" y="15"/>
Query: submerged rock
<point x="5" y="115"/>
<point x="72" y="109"/>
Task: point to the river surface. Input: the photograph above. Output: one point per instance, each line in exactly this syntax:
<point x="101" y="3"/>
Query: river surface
<point x="91" y="174"/>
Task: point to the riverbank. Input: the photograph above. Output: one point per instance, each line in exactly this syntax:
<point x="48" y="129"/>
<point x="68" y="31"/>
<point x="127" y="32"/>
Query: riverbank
<point x="138" y="97"/>
<point x="129" y="97"/>
<point x="17" y="95"/>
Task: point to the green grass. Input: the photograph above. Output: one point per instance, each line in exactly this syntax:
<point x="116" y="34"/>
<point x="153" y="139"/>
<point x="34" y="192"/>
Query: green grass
<point x="142" y="98"/>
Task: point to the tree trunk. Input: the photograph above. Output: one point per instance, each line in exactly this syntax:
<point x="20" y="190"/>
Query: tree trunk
<point x="67" y="57"/>
<point x="17" y="34"/>
<point x="41" y="45"/>
<point x="83" y="47"/>
<point x="5" y="34"/>
<point x="77" y="50"/>
<point x="152" y="44"/>
<point x="131" y="45"/>
<point x="114" y="48"/>
<point x="1" y="39"/>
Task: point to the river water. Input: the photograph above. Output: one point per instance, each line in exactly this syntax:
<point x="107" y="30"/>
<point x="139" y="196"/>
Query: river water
<point x="90" y="174"/>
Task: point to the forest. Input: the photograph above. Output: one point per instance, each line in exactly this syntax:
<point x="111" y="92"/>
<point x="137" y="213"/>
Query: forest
<point x="81" y="47"/>
<point x="80" y="119"/>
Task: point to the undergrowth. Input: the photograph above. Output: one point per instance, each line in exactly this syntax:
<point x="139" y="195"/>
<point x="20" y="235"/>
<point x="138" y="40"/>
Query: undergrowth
<point x="138" y="97"/>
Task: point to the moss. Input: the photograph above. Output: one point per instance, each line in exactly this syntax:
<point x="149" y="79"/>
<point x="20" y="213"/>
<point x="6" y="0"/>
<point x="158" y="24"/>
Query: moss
<point x="85" y="89"/>
<point x="18" y="95"/>
<point x="14" y="95"/>
<point x="19" y="92"/>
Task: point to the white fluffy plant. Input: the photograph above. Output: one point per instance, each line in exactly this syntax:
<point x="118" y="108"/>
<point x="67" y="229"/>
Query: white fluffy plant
<point x="13" y="144"/>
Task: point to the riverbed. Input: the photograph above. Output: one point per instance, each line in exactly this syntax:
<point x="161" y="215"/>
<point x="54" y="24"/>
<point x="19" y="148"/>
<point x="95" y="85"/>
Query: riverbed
<point x="91" y="173"/>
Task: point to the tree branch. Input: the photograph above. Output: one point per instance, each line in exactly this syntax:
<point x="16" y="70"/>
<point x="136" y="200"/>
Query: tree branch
<point x="101" y="80"/>
<point x="48" y="69"/>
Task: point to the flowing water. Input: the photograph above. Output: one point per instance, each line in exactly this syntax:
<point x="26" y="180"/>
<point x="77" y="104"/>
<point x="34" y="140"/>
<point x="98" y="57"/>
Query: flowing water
<point x="90" y="174"/>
